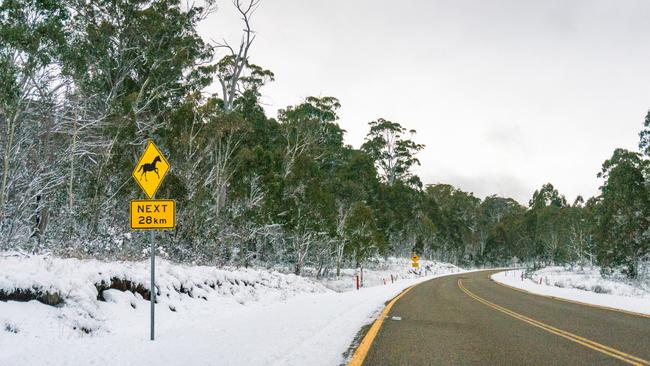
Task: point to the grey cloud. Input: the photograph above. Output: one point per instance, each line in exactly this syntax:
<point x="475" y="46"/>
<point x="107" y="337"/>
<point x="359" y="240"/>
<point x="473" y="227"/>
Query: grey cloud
<point x="486" y="185"/>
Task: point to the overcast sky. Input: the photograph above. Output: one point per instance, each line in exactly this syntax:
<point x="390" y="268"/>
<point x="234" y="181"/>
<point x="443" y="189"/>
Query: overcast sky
<point x="505" y="94"/>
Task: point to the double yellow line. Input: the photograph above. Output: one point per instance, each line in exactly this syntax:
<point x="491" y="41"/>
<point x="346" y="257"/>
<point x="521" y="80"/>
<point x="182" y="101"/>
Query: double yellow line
<point x="627" y="358"/>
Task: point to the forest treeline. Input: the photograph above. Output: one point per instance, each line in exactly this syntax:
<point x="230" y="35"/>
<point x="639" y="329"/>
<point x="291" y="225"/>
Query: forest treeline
<point x="84" y="84"/>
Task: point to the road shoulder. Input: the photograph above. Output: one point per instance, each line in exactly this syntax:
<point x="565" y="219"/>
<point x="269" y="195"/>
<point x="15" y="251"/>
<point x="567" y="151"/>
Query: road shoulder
<point x="629" y="305"/>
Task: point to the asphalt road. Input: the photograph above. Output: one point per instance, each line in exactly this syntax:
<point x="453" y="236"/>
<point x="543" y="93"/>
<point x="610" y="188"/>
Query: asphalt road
<point x="467" y="319"/>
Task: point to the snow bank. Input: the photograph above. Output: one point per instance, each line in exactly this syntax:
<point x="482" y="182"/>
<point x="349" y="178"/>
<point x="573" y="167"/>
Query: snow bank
<point x="586" y="286"/>
<point x="79" y="282"/>
<point x="250" y="317"/>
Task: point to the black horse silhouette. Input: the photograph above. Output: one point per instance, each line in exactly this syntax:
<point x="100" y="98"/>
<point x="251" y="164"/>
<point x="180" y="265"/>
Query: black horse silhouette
<point x="151" y="167"/>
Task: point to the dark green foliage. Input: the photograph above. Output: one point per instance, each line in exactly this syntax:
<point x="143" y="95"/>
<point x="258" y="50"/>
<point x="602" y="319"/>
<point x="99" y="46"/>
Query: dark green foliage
<point x="362" y="233"/>
<point x="644" y="136"/>
<point x="622" y="235"/>
<point x="547" y="196"/>
<point x="393" y="153"/>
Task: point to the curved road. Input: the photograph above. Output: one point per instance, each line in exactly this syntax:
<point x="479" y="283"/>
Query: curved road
<point x="468" y="319"/>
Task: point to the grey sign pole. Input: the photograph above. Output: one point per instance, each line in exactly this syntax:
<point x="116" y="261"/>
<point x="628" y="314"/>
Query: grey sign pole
<point x="152" y="293"/>
<point x="153" y="154"/>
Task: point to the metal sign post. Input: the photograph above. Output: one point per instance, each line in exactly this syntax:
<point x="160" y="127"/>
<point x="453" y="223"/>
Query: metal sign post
<point x="152" y="293"/>
<point x="152" y="214"/>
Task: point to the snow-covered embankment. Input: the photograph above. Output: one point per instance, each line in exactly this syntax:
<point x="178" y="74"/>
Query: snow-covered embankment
<point x="587" y="286"/>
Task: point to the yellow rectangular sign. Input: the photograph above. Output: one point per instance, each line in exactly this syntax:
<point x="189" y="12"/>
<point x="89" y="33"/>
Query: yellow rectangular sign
<point x="153" y="214"/>
<point x="415" y="265"/>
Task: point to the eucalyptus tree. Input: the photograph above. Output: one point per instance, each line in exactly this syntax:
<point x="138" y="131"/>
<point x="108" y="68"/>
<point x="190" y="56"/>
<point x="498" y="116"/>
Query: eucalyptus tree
<point x="134" y="62"/>
<point x="547" y="196"/>
<point x="458" y="220"/>
<point x="492" y="211"/>
<point x="644" y="136"/>
<point x="393" y="152"/>
<point x="361" y="232"/>
<point x="234" y="71"/>
<point x="355" y="182"/>
<point x="313" y="149"/>
<point x="545" y="223"/>
<point x="578" y="219"/>
<point x="32" y="36"/>
<point x="623" y="223"/>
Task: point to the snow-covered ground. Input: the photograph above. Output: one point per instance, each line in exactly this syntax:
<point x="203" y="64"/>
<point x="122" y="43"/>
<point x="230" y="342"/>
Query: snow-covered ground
<point x="204" y="316"/>
<point x="587" y="286"/>
<point x="380" y="271"/>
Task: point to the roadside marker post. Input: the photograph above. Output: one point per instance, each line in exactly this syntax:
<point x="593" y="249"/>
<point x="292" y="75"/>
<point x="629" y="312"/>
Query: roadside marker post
<point x="361" y="277"/>
<point x="152" y="214"/>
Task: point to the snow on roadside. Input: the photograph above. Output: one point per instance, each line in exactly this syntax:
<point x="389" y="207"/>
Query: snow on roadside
<point x="180" y="288"/>
<point x="586" y="286"/>
<point x="380" y="271"/>
<point x="251" y="317"/>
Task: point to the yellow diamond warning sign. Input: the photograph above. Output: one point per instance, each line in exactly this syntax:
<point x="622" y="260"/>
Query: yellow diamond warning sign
<point x="153" y="214"/>
<point x="150" y="170"/>
<point x="415" y="261"/>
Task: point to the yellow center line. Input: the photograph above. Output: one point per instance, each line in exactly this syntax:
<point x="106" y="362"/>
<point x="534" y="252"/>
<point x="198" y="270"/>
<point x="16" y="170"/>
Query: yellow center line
<point x="362" y="351"/>
<point x="627" y="358"/>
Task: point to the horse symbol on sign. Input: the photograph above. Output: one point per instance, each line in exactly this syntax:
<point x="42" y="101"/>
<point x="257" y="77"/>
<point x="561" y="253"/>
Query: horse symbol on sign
<point x="151" y="161"/>
<point x="151" y="167"/>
